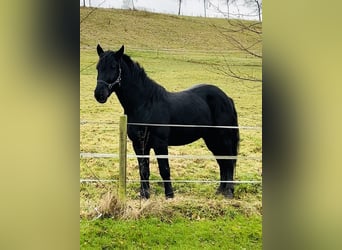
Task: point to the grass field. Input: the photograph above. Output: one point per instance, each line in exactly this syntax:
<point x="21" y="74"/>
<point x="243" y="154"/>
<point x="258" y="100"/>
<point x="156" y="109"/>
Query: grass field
<point x="177" y="52"/>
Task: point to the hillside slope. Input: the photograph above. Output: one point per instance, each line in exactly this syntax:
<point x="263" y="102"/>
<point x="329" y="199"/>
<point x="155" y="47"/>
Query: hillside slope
<point x="151" y="31"/>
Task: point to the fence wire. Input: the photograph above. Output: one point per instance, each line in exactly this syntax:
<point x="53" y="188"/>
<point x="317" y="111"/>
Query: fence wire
<point x="82" y="122"/>
<point x="187" y="157"/>
<point x="174" y="181"/>
<point x="191" y="157"/>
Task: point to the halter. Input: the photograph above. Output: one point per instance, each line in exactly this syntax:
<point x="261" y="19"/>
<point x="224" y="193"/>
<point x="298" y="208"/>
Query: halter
<point x="117" y="81"/>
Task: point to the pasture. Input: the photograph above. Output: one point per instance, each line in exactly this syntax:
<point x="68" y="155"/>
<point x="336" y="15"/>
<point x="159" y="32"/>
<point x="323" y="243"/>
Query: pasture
<point x="177" y="52"/>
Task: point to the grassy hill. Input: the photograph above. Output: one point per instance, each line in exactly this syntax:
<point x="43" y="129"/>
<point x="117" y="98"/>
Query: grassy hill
<point x="138" y="29"/>
<point x="176" y="52"/>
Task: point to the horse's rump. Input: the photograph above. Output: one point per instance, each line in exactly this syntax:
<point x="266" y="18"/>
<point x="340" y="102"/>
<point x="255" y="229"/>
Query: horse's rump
<point x="222" y="110"/>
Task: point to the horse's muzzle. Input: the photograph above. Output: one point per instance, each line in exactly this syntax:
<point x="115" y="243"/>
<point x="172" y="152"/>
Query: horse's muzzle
<point x="100" y="98"/>
<point x="101" y="95"/>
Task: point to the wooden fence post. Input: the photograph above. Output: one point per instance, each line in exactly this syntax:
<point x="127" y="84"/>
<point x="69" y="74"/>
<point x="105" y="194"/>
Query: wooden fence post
<point x="122" y="157"/>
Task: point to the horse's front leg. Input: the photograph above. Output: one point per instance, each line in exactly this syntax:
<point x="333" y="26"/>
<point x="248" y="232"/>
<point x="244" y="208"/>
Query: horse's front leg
<point x="144" y="169"/>
<point x="164" y="170"/>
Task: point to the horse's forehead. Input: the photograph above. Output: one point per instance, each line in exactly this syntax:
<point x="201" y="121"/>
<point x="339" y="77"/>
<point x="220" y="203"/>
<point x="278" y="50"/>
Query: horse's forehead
<point x="107" y="58"/>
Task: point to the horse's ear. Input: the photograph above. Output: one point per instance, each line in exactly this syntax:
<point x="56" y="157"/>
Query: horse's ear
<point x="99" y="50"/>
<point x="120" y="52"/>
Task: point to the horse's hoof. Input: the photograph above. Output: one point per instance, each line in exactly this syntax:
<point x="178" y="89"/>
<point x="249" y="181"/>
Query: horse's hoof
<point x="228" y="193"/>
<point x="144" y="194"/>
<point x="169" y="196"/>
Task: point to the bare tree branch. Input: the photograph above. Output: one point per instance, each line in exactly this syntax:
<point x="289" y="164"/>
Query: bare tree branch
<point x="235" y="42"/>
<point x="244" y="36"/>
<point x="91" y="11"/>
<point x="242" y="26"/>
<point x="238" y="44"/>
<point x="236" y="74"/>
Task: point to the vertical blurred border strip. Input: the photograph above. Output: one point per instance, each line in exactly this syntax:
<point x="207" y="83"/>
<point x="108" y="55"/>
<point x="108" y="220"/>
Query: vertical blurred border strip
<point x="39" y="125"/>
<point x="302" y="125"/>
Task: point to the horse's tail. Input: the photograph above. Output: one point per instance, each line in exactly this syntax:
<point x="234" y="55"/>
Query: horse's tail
<point x="224" y="114"/>
<point x="235" y="132"/>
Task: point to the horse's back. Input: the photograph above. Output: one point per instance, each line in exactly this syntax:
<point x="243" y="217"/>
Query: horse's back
<point x="207" y="91"/>
<point x="202" y="104"/>
<point x="199" y="105"/>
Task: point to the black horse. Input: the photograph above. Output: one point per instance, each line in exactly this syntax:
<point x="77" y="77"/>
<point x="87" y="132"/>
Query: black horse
<point x="145" y="101"/>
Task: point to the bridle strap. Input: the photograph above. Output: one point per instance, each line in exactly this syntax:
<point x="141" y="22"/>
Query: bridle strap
<point x="112" y="84"/>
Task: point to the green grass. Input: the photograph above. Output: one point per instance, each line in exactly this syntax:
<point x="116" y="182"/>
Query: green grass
<point x="176" y="52"/>
<point x="152" y="233"/>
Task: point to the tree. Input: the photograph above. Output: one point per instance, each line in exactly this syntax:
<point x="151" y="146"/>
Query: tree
<point x="227" y="8"/>
<point x="179" y="8"/>
<point x="133" y="5"/>
<point x="245" y="36"/>
<point x="259" y="5"/>
<point x="256" y="6"/>
<point x="228" y="3"/>
<point x="205" y="8"/>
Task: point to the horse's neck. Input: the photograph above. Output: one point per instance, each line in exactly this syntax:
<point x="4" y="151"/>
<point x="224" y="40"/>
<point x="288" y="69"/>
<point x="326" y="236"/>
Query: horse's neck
<point x="134" y="92"/>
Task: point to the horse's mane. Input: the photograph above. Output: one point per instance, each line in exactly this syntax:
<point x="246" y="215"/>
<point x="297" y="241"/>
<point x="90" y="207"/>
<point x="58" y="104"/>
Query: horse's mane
<point x="138" y="75"/>
<point x="134" y="67"/>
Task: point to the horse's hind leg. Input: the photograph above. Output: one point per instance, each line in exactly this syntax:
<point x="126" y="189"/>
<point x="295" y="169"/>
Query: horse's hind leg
<point x="220" y="146"/>
<point x="227" y="174"/>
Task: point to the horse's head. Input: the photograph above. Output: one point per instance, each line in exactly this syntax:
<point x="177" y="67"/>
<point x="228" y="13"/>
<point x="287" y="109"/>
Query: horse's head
<point x="108" y="73"/>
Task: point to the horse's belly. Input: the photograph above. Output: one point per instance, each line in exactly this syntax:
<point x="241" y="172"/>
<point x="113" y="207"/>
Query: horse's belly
<point x="184" y="136"/>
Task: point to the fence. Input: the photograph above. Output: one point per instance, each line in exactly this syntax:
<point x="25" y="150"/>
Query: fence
<point x="123" y="156"/>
